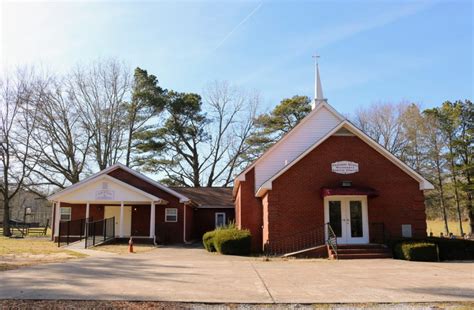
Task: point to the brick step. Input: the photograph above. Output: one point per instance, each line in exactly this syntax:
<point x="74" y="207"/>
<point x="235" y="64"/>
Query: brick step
<point x="361" y="246"/>
<point x="360" y="251"/>
<point x="362" y="256"/>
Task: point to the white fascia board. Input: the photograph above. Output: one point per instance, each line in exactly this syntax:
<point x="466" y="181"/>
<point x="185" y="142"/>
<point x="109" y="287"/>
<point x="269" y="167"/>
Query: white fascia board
<point x="56" y="197"/>
<point x="80" y="183"/>
<point x="334" y="111"/>
<point x="424" y="184"/>
<point x="237" y="180"/>
<point x="290" y="133"/>
<point x="267" y="186"/>
<point x="182" y="198"/>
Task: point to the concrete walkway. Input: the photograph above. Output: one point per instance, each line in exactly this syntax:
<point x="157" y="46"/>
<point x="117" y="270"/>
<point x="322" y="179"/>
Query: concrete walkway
<point x="193" y="275"/>
<point x="79" y="247"/>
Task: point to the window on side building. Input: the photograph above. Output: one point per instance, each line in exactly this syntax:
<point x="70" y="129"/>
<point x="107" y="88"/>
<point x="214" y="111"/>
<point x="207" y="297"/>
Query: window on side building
<point x="171" y="215"/>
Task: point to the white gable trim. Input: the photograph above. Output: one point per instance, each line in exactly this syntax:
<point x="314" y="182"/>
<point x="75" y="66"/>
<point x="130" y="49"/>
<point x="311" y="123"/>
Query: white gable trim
<point x="182" y="198"/>
<point x="147" y="196"/>
<point x="424" y="184"/>
<point x="241" y="176"/>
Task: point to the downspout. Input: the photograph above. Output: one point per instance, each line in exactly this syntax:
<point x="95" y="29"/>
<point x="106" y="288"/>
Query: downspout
<point x="184" y="225"/>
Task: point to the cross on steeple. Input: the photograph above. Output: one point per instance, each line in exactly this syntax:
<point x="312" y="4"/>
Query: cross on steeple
<point x="318" y="89"/>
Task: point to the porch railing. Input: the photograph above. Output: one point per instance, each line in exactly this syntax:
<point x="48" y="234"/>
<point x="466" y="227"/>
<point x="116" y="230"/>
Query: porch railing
<point x="296" y="242"/>
<point x="331" y="239"/>
<point x="71" y="231"/>
<point x="100" y="231"/>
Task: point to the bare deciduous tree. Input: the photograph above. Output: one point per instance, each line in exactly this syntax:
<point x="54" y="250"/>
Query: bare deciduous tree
<point x="60" y="140"/>
<point x="201" y="144"/>
<point x="436" y="163"/>
<point x="99" y="91"/>
<point x="16" y="103"/>
<point x="382" y="122"/>
<point x="231" y="114"/>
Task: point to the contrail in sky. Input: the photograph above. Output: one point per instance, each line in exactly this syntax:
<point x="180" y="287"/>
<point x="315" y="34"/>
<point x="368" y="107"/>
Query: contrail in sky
<point x="238" y="25"/>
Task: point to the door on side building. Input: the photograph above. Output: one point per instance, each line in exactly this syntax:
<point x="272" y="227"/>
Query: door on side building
<point x="114" y="211"/>
<point x="348" y="218"/>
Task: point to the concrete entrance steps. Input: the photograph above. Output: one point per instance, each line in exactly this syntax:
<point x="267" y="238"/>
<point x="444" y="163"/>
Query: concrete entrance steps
<point x="360" y="251"/>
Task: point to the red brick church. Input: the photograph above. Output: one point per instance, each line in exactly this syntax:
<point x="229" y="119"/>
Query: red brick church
<point x="324" y="179"/>
<point x="326" y="170"/>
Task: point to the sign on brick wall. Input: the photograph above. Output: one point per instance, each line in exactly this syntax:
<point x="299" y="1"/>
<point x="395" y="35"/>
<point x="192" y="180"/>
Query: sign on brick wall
<point x="344" y="167"/>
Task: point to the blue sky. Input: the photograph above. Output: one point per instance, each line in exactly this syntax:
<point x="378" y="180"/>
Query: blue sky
<point x="371" y="51"/>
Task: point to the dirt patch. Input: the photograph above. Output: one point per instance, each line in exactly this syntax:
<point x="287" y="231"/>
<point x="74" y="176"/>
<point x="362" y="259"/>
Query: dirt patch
<point x="99" y="305"/>
<point x="15" y="261"/>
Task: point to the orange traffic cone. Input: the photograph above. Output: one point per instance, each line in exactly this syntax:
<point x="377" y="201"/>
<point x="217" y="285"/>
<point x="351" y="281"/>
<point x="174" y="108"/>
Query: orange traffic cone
<point x="130" y="245"/>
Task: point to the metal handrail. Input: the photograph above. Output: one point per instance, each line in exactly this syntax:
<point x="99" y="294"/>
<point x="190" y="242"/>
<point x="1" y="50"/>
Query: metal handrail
<point x="295" y="242"/>
<point x="82" y="222"/>
<point x="332" y="238"/>
<point x="99" y="232"/>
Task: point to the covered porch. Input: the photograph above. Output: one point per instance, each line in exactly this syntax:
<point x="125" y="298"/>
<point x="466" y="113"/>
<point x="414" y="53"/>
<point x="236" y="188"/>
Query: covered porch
<point x="105" y="197"/>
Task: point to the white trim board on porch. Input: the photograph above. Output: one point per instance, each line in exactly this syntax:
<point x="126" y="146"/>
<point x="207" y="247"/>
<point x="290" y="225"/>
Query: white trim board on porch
<point x="105" y="189"/>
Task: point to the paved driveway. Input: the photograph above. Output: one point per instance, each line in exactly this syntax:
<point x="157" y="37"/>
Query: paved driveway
<point x="182" y="274"/>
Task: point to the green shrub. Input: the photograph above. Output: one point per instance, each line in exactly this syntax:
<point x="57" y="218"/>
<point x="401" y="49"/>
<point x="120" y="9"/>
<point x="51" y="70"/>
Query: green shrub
<point x="454" y="249"/>
<point x="232" y="241"/>
<point x="208" y="240"/>
<point x="416" y="251"/>
<point x="229" y="225"/>
<point x="448" y="249"/>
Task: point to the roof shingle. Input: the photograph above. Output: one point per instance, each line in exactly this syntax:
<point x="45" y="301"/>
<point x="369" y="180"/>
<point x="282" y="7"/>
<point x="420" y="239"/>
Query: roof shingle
<point x="208" y="196"/>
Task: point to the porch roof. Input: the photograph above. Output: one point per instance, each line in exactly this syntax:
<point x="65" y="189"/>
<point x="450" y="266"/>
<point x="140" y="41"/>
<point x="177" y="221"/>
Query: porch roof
<point x="105" y="189"/>
<point x="348" y="191"/>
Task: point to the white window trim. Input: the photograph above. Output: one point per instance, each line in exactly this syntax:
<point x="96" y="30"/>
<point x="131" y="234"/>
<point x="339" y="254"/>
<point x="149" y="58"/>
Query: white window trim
<point x="215" y="218"/>
<point x="166" y="215"/>
<point x="68" y="213"/>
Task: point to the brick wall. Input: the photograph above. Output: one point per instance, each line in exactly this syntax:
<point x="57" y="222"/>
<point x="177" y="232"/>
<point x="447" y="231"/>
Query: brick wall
<point x="250" y="210"/>
<point x="294" y="204"/>
<point x="295" y="201"/>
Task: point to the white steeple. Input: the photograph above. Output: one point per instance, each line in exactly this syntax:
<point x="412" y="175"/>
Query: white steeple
<point x="318" y="89"/>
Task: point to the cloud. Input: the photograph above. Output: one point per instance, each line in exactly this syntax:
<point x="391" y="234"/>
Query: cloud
<point x="243" y="21"/>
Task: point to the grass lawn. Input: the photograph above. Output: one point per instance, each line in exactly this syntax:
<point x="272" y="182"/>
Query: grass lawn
<point x="120" y="248"/>
<point x="16" y="253"/>
<point x="437" y="227"/>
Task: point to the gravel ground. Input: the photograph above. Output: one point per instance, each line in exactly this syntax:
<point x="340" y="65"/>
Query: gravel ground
<point x="106" y="305"/>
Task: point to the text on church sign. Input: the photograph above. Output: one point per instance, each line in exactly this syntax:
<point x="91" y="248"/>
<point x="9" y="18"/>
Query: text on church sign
<point x="104" y="193"/>
<point x="344" y="167"/>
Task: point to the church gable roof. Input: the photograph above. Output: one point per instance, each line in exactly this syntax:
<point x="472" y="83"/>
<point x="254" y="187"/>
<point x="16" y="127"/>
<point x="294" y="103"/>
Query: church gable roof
<point x="346" y="127"/>
<point x="322" y="119"/>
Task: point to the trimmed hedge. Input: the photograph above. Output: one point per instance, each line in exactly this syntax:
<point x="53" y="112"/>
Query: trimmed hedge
<point x="448" y="249"/>
<point x="232" y="241"/>
<point x="454" y="249"/>
<point x="208" y="241"/>
<point x="416" y="251"/>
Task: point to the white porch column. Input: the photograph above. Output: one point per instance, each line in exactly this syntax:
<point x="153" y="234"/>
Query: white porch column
<point x="121" y="220"/>
<point x="152" y="220"/>
<point x="57" y="218"/>
<point x="87" y="210"/>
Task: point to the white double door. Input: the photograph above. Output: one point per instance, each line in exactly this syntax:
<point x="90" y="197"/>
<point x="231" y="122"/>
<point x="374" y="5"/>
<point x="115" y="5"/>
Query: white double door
<point x="348" y="218"/>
